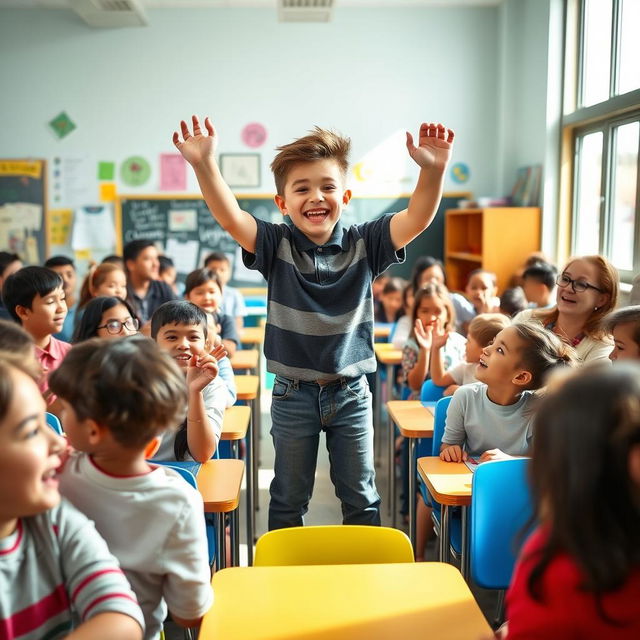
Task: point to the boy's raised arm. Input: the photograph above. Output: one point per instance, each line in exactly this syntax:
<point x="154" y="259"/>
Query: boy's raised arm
<point x="432" y="155"/>
<point x="198" y="149"/>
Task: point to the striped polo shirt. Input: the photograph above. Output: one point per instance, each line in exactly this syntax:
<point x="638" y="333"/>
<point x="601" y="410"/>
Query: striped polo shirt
<point x="320" y="305"/>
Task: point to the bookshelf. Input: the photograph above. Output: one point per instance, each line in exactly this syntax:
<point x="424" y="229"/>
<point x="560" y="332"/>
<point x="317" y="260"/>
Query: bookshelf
<point x="497" y="239"/>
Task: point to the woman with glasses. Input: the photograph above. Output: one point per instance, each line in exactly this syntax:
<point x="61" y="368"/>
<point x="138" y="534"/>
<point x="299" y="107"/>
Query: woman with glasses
<point x="587" y="290"/>
<point x="106" y="317"/>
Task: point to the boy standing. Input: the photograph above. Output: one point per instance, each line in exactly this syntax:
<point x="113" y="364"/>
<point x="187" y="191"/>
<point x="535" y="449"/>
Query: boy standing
<point x="34" y="296"/>
<point x="118" y="396"/>
<point x="319" y="340"/>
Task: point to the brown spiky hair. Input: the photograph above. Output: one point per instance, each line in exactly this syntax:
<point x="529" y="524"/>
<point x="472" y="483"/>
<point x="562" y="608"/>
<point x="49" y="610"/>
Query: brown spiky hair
<point x="320" y="144"/>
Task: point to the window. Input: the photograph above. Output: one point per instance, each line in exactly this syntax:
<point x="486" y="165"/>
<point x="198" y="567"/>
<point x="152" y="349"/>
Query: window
<point x="603" y="120"/>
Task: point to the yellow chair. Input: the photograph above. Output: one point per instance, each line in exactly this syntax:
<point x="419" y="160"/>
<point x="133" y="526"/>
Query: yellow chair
<point x="332" y="544"/>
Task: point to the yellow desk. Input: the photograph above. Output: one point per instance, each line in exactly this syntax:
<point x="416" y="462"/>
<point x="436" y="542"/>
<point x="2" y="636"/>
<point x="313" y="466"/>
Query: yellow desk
<point x="235" y="423"/>
<point x="381" y="331"/>
<point x="245" y="360"/>
<point x="414" y="421"/>
<point x="388" y="356"/>
<point x="247" y="388"/>
<point x="354" y="602"/>
<point x="252" y="335"/>
<point x="450" y="484"/>
<point x="219" y="483"/>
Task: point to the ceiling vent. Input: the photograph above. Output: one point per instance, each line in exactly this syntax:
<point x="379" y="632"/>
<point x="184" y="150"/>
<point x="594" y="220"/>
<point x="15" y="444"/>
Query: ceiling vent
<point x="111" y="13"/>
<point x="305" y="10"/>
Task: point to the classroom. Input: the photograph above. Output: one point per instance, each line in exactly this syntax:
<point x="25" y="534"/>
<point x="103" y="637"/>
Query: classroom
<point x="385" y="416"/>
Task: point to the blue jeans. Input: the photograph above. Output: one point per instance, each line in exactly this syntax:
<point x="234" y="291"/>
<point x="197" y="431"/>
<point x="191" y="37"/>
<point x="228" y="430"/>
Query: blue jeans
<point x="299" y="411"/>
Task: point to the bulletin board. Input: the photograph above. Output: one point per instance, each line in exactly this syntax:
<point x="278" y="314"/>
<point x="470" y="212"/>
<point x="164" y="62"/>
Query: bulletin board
<point x="23" y="209"/>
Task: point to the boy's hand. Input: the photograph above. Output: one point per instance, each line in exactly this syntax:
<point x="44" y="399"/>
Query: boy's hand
<point x="201" y="371"/>
<point x="434" y="146"/>
<point x="453" y="453"/>
<point x="197" y="147"/>
<point x="424" y="335"/>
<point x="219" y="352"/>
<point x="439" y="336"/>
<point x="494" y="454"/>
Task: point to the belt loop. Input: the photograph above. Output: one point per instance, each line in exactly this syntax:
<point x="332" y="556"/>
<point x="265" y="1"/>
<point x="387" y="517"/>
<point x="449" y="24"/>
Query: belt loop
<point x="296" y="384"/>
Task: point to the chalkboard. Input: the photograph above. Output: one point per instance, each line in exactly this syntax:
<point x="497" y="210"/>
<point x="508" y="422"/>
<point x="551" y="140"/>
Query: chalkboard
<point x="23" y="210"/>
<point x="185" y="229"/>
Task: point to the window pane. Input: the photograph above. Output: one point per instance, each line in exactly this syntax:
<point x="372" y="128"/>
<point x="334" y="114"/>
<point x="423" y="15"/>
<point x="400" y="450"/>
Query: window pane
<point x="623" y="203"/>
<point x="588" y="194"/>
<point x="597" y="51"/>
<point x="629" y="72"/>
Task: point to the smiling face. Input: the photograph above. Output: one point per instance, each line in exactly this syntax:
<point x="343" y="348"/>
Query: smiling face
<point x="500" y="361"/>
<point x="116" y="317"/>
<point x="585" y="302"/>
<point x="625" y="345"/>
<point x="114" y="285"/>
<point x="314" y="196"/>
<point x="46" y="315"/>
<point x="207" y="296"/>
<point x="182" y="341"/>
<point x="28" y="456"/>
<point x="431" y="311"/>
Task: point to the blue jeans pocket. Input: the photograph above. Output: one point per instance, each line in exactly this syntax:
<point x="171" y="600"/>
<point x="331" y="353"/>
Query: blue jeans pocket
<point x="358" y="388"/>
<point x="281" y="388"/>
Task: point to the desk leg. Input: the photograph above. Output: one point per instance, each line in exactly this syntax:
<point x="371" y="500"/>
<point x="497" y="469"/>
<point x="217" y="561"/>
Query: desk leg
<point x="249" y="491"/>
<point x="464" y="555"/>
<point x="377" y="410"/>
<point x="257" y="421"/>
<point x="222" y="541"/>
<point x="444" y="533"/>
<point x="412" y="492"/>
<point x="235" y="538"/>
<point x="391" y="478"/>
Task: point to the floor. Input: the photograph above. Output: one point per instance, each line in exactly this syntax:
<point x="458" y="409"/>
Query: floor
<point x="325" y="509"/>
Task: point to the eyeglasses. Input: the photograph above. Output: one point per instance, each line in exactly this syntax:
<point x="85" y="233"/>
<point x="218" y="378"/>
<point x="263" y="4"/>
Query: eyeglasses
<point x="114" y="327"/>
<point x="578" y="286"/>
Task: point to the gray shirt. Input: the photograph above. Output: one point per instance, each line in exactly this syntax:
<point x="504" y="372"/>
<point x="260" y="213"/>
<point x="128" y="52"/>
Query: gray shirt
<point x="478" y="424"/>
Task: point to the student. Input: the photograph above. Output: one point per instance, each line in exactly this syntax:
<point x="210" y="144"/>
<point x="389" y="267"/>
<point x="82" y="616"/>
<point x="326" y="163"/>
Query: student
<point x="480" y="297"/>
<point x="427" y="269"/>
<point x="624" y="326"/>
<point x="67" y="270"/>
<point x="389" y="307"/>
<point x="578" y="575"/>
<point x="320" y="318"/>
<point x="106" y="317"/>
<point x="513" y="301"/>
<point x="482" y="331"/>
<point x="587" y="290"/>
<point x="539" y="284"/>
<point x="9" y="264"/>
<point x="403" y="327"/>
<point x="167" y="272"/>
<point x="180" y="328"/>
<point x="117" y="397"/>
<point x="35" y="298"/>
<point x="493" y="420"/>
<point x="433" y="314"/>
<point x="56" y="571"/>
<point x="232" y="300"/>
<point x="204" y="288"/>
<point x="145" y="292"/>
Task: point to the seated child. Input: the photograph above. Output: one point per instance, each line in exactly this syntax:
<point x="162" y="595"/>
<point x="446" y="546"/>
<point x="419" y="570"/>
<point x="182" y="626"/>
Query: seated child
<point x="105" y="279"/>
<point x="117" y="397"/>
<point x="578" y="575"/>
<point x="427" y="269"/>
<point x="35" y="298"/>
<point x="66" y="268"/>
<point x="232" y="300"/>
<point x="513" y="301"/>
<point x="389" y="308"/>
<point x="539" y="285"/>
<point x="624" y="326"/>
<point x="493" y="419"/>
<point x="203" y="287"/>
<point x="482" y="330"/>
<point x="403" y="326"/>
<point x="56" y="572"/>
<point x="481" y="297"/>
<point x="180" y="328"/>
<point x="106" y="317"/>
<point x="432" y="313"/>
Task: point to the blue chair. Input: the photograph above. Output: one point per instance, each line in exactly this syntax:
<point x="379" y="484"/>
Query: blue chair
<point x="501" y="507"/>
<point x="54" y="423"/>
<point x="430" y="392"/>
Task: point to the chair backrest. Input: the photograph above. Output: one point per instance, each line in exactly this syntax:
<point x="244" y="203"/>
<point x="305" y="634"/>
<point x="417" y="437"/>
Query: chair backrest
<point x="439" y="420"/>
<point x="501" y="507"/>
<point x="430" y="392"/>
<point x="185" y="473"/>
<point x="54" y="423"/>
<point x="332" y="544"/>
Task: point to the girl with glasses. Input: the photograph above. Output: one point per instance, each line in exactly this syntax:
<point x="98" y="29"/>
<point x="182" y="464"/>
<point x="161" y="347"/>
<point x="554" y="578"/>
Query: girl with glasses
<point x="587" y="290"/>
<point x="106" y="317"/>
